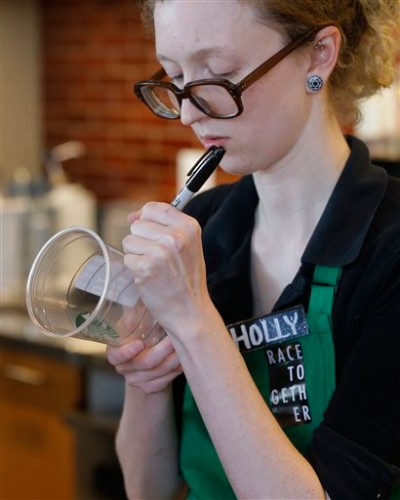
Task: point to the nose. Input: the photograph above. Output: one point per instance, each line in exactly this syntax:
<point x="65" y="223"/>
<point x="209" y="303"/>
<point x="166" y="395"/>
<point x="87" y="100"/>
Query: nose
<point x="189" y="113"/>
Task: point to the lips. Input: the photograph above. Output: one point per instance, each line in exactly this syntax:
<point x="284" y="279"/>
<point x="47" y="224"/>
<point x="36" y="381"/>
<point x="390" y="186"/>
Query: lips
<point x="211" y="140"/>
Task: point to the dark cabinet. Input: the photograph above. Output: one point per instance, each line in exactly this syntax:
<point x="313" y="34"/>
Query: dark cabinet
<point x="38" y="447"/>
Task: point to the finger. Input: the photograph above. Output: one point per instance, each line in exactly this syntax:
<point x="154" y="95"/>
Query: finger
<point x="167" y="215"/>
<point x="174" y="234"/>
<point x="148" y="229"/>
<point x="163" y="213"/>
<point x="143" y="375"/>
<point x="149" y="261"/>
<point x="120" y="355"/>
<point x="134" y="216"/>
<point x="154" y="385"/>
<point x="148" y="359"/>
<point x="145" y="235"/>
<point x="150" y="371"/>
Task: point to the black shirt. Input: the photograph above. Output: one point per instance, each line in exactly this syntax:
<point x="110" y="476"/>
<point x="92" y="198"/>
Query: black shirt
<point x="356" y="449"/>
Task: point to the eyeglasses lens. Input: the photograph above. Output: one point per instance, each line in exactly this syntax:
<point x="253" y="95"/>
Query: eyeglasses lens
<point x="213" y="100"/>
<point x="162" y="101"/>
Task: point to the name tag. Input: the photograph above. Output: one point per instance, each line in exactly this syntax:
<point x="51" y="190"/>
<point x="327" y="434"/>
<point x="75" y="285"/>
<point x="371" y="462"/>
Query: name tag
<point x="259" y="333"/>
<point x="288" y="389"/>
<point x="277" y="334"/>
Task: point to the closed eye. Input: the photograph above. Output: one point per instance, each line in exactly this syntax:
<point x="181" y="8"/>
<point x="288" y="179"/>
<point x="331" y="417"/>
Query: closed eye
<point x="230" y="75"/>
<point x="177" y="80"/>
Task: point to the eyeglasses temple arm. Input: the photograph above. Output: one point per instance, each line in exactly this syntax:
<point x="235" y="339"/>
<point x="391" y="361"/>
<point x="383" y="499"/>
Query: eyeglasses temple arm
<point x="270" y="63"/>
<point x="159" y="75"/>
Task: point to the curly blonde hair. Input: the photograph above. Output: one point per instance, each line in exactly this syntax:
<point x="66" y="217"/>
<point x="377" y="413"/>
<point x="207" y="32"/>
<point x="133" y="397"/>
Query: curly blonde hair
<point x="368" y="52"/>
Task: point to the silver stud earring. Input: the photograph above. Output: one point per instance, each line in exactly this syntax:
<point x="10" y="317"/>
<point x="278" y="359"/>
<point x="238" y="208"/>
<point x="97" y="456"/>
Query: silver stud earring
<point x="315" y="83"/>
<point x="319" y="45"/>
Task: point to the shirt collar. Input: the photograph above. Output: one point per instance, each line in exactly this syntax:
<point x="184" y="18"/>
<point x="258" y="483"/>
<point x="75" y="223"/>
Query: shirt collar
<point x="337" y="238"/>
<point x="340" y="233"/>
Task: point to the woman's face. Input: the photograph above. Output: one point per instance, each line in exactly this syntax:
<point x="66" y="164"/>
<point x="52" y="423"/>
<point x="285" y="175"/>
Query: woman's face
<point x="209" y="39"/>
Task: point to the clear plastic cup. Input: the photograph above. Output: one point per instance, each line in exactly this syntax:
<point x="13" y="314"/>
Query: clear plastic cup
<point x="78" y="286"/>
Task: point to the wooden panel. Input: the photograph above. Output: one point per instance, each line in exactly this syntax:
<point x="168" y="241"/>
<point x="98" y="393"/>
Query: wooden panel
<point x="37" y="455"/>
<point x="33" y="379"/>
<point x="37" y="452"/>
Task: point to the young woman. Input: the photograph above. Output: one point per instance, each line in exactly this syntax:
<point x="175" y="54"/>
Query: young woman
<point x="302" y="402"/>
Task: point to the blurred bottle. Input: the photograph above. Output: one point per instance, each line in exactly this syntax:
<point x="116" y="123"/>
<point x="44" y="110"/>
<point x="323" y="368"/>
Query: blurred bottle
<point x="71" y="203"/>
<point x="26" y="224"/>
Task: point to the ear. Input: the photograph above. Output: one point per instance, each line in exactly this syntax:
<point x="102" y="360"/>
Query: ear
<point x="325" y="51"/>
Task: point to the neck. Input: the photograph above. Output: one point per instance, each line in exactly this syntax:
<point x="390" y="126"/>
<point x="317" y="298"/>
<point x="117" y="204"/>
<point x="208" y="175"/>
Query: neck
<point x="293" y="193"/>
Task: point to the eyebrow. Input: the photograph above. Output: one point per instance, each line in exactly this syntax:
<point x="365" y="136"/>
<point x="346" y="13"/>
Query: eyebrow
<point x="201" y="53"/>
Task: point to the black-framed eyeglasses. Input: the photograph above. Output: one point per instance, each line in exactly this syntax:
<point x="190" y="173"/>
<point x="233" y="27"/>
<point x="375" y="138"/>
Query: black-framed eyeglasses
<point x="215" y="97"/>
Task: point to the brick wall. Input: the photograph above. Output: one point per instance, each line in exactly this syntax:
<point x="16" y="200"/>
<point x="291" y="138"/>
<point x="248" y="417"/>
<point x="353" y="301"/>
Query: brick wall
<point x="93" y="50"/>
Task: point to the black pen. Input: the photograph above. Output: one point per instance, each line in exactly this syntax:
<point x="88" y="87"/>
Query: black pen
<point x="198" y="175"/>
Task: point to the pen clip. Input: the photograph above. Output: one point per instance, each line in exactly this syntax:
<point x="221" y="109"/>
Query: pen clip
<point x="200" y="162"/>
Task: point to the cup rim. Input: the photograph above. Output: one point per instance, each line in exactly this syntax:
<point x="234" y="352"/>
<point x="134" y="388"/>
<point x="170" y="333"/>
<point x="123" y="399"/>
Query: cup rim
<point x="39" y="258"/>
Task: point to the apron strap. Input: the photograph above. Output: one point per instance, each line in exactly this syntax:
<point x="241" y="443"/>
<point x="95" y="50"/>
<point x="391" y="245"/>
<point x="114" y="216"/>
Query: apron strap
<point x="323" y="290"/>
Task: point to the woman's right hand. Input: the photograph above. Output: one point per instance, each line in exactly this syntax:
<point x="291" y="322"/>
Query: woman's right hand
<point x="150" y="369"/>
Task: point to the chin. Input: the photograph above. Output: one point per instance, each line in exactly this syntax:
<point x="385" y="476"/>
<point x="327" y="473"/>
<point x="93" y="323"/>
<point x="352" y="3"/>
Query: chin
<point x="236" y="166"/>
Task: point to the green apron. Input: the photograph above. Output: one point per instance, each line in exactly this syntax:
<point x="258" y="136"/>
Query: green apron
<point x="315" y="372"/>
<point x="200" y="464"/>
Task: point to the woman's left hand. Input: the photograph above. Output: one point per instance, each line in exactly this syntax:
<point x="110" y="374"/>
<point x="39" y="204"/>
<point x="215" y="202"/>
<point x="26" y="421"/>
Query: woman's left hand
<point x="164" y="253"/>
